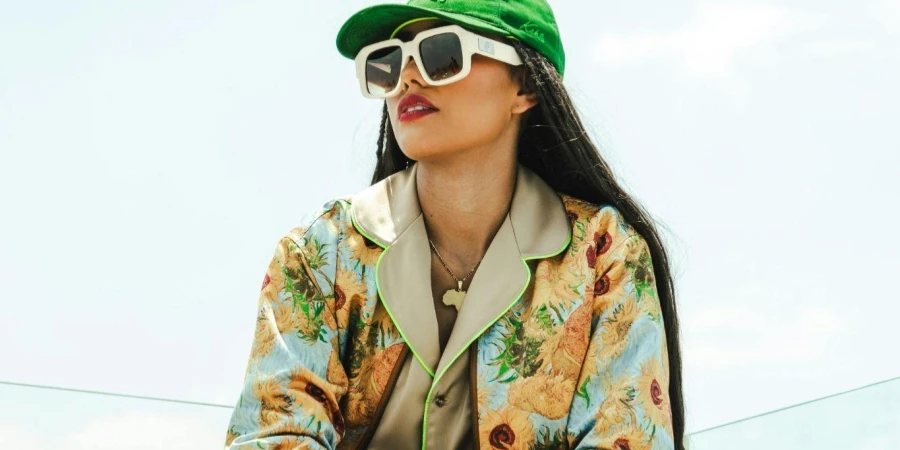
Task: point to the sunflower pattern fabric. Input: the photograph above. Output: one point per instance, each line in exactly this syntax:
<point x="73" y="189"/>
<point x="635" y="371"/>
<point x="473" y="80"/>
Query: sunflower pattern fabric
<point x="581" y="363"/>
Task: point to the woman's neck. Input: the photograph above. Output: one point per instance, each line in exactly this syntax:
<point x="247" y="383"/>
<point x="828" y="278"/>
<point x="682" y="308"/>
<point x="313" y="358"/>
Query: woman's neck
<point x="464" y="203"/>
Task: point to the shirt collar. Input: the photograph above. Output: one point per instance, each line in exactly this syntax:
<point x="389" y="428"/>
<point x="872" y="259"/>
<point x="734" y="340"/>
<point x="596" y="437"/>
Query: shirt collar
<point x="388" y="213"/>
<point x="386" y="209"/>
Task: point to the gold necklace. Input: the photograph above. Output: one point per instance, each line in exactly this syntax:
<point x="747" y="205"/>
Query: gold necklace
<point x="453" y="297"/>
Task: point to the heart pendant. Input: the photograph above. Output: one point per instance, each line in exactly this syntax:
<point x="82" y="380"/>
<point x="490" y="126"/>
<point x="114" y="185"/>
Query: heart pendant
<point x="454" y="298"/>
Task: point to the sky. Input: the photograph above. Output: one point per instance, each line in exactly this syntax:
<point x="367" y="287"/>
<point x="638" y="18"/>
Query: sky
<point x="152" y="154"/>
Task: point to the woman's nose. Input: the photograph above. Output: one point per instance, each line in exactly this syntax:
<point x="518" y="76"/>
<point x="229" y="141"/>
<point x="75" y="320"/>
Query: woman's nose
<point x="410" y="73"/>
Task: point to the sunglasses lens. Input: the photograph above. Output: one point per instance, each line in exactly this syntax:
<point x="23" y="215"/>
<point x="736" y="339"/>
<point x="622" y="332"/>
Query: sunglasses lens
<point x="383" y="70"/>
<point x="441" y="55"/>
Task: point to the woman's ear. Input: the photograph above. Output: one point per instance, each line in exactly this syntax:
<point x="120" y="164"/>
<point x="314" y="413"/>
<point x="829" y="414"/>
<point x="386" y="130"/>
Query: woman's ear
<point x="526" y="97"/>
<point x="524" y="102"/>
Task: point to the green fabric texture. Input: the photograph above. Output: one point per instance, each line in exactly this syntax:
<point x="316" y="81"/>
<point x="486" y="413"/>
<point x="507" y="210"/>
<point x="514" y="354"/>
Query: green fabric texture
<point x="530" y="21"/>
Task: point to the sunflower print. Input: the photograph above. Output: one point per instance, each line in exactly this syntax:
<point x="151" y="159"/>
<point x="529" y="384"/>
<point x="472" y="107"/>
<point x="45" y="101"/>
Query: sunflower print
<point x="547" y="395"/>
<point x="335" y="373"/>
<point x="616" y="386"/>
<point x="615" y="409"/>
<point x="594" y="232"/>
<point x="581" y="215"/>
<point x="288" y="443"/>
<point x="520" y="355"/>
<point x="556" y="289"/>
<point x="363" y="252"/>
<point x="607" y="288"/>
<point x="230" y="436"/>
<point x="579" y="362"/>
<point x="572" y="343"/>
<point x="615" y="329"/>
<point x="265" y="335"/>
<point x="507" y="428"/>
<point x="368" y="386"/>
<point x="276" y="401"/>
<point x="653" y="394"/>
<point x="350" y="293"/>
<point x="273" y="281"/>
<point x="628" y="438"/>
<point x="275" y="319"/>
<point x="318" y="397"/>
<point x="357" y="411"/>
<point x="539" y="326"/>
<point x="484" y="392"/>
<point x="606" y="233"/>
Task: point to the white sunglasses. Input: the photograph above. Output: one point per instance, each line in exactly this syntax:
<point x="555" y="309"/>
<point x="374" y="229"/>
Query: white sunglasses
<point x="443" y="56"/>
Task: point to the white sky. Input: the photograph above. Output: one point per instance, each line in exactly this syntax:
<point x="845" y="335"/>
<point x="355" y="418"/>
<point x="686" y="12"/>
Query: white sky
<point x="152" y="153"/>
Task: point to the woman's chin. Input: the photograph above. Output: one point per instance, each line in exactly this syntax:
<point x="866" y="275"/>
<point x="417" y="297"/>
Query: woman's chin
<point x="426" y="153"/>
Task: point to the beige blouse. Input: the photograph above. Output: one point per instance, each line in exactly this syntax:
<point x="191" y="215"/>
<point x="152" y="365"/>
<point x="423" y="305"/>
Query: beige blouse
<point x="450" y="422"/>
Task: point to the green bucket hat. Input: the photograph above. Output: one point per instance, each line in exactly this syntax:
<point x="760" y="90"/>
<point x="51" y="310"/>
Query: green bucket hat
<point x="530" y="21"/>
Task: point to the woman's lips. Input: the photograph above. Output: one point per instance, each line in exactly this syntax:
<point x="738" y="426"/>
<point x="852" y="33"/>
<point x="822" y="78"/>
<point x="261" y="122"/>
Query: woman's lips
<point x="413" y="115"/>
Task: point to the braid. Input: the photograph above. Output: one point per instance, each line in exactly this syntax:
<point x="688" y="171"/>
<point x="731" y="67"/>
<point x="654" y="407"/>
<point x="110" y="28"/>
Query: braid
<point x="389" y="159"/>
<point x="555" y="145"/>
<point x="552" y="128"/>
<point x="558" y="125"/>
<point x="382" y="141"/>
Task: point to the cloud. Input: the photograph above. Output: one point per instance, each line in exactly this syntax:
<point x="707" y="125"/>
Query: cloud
<point x="837" y="47"/>
<point x="19" y="439"/>
<point x="714" y="37"/>
<point x="887" y="13"/>
<point x="743" y="336"/>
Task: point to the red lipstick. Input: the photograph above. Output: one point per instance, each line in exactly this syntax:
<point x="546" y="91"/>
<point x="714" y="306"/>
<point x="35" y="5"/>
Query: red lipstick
<point x="414" y="106"/>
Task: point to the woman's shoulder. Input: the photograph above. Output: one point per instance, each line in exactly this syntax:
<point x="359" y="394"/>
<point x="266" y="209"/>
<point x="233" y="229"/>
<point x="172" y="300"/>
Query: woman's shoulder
<point x="325" y="222"/>
<point x="592" y="221"/>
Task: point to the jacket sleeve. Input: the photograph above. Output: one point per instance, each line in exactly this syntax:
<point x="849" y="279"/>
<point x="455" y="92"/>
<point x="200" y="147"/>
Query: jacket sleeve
<point x="294" y="380"/>
<point x="622" y="397"/>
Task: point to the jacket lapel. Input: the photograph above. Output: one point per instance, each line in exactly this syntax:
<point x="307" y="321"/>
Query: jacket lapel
<point x="388" y="213"/>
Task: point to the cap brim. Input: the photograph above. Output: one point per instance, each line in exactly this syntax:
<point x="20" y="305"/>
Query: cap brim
<point x="376" y="23"/>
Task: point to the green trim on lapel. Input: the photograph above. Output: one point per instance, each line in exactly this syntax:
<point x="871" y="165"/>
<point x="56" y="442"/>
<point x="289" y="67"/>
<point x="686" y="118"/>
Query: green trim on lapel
<point x="536" y="227"/>
<point x="386" y="248"/>
<point x="518" y="297"/>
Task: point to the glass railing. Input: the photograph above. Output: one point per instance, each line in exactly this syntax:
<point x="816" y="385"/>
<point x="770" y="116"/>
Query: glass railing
<point x="39" y="418"/>
<point x="867" y="418"/>
<point x="34" y="418"/>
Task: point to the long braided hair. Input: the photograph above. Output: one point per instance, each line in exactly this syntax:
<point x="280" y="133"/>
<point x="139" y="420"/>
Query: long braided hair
<point x="553" y="143"/>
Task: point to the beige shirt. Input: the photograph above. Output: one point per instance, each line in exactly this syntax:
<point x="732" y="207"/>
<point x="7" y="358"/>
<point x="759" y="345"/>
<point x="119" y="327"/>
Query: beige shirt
<point x="449" y="409"/>
<point x="400" y="427"/>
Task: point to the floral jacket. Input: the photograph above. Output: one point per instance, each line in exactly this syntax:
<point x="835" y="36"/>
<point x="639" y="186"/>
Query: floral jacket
<point x="561" y="324"/>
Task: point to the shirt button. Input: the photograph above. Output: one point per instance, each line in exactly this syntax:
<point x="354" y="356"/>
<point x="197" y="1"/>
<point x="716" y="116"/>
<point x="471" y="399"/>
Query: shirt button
<point x="440" y="401"/>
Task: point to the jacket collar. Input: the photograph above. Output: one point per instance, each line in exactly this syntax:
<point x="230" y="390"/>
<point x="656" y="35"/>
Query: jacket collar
<point x="388" y="213"/>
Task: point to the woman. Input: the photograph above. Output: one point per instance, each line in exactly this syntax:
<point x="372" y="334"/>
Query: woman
<point x="495" y="288"/>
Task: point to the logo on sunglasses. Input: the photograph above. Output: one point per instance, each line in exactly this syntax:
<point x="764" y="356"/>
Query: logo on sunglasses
<point x="485" y="46"/>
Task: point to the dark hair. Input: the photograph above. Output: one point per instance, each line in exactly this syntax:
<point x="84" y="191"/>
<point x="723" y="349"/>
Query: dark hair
<point x="553" y="143"/>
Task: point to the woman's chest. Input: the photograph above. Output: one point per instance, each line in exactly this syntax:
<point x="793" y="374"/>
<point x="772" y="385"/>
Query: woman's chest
<point x="527" y="354"/>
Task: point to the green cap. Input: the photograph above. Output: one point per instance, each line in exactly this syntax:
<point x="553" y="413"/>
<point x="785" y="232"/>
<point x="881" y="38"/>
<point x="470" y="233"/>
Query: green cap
<point x="530" y="21"/>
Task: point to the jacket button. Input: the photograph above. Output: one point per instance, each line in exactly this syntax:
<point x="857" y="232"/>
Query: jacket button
<point x="440" y="401"/>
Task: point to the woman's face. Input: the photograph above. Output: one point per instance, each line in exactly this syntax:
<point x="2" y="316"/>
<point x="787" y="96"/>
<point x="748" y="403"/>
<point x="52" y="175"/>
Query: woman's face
<point x="479" y="113"/>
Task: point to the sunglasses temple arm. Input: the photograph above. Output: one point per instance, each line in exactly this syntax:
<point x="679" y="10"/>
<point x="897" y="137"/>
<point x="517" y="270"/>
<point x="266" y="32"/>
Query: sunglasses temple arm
<point x="497" y="50"/>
